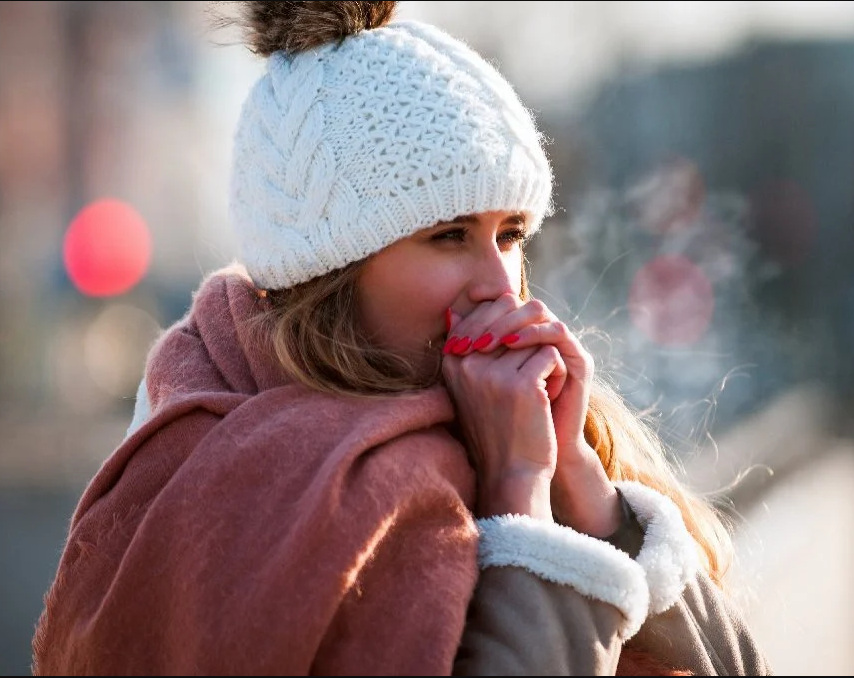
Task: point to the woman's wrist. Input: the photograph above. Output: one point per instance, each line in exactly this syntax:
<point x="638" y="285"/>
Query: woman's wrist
<point x="527" y="494"/>
<point x="585" y="499"/>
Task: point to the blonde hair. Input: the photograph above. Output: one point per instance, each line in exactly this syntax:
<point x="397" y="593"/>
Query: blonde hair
<point x="313" y="330"/>
<point x="629" y="449"/>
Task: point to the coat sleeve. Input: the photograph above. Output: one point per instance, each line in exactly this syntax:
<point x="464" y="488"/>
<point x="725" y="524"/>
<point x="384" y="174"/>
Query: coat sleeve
<point x="551" y="601"/>
<point x="520" y="624"/>
<point x="692" y="623"/>
<point x="705" y="632"/>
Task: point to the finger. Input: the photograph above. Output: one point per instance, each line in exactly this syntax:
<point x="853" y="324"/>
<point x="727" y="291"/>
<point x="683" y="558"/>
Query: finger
<point x="467" y="377"/>
<point x="504" y="365"/>
<point x="469" y="331"/>
<point x="578" y="360"/>
<point x="476" y="369"/>
<point x="557" y="380"/>
<point x="546" y="367"/>
<point x="503" y="331"/>
<point x="499" y="367"/>
<point x="451" y="363"/>
<point x="517" y="359"/>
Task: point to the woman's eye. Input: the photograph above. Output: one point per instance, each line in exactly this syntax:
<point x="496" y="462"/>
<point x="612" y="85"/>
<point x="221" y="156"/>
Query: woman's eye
<point x="513" y="236"/>
<point x="458" y="234"/>
<point x="505" y="239"/>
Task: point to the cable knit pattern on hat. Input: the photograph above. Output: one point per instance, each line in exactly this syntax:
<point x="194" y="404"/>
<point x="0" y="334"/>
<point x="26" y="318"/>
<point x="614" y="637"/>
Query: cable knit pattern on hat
<point x="344" y="149"/>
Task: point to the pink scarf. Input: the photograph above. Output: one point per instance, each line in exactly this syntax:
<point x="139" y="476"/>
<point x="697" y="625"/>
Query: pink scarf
<point x="253" y="526"/>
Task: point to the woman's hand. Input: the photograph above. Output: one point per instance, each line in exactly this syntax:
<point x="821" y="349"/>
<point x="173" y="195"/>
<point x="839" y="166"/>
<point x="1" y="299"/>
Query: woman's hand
<point x="583" y="496"/>
<point x="504" y="410"/>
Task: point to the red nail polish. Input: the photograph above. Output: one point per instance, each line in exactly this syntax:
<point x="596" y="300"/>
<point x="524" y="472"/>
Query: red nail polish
<point x="509" y="339"/>
<point x="483" y="341"/>
<point x="448" y="319"/>
<point x="446" y="349"/>
<point x="461" y="346"/>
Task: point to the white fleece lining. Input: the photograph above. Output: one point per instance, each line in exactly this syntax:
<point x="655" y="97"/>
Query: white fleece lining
<point x="669" y="553"/>
<point x="559" y="554"/>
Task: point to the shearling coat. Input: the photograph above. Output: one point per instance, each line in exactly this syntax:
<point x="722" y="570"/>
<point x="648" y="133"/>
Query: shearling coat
<point x="522" y="624"/>
<point x="252" y="526"/>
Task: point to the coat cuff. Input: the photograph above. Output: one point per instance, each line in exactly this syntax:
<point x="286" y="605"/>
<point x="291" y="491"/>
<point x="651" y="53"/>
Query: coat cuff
<point x="669" y="553"/>
<point x="559" y="554"/>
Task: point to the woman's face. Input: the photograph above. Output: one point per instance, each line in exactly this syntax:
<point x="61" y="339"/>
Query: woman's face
<point x="404" y="290"/>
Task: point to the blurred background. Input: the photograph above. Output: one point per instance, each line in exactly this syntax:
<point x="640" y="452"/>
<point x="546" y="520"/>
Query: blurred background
<point x="703" y="245"/>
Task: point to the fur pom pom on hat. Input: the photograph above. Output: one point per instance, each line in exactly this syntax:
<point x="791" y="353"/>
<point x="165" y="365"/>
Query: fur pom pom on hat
<point x="362" y="131"/>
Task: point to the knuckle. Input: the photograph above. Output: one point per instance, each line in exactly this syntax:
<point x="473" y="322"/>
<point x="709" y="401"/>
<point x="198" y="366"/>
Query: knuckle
<point x="468" y="369"/>
<point x="506" y="302"/>
<point x="551" y="352"/>
<point x="538" y="308"/>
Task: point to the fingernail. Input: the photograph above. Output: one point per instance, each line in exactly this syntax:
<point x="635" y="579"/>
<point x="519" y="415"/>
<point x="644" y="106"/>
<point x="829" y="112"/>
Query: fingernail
<point x="461" y="346"/>
<point x="448" y="319"/>
<point x="483" y="341"/>
<point x="509" y="339"/>
<point x="449" y="345"/>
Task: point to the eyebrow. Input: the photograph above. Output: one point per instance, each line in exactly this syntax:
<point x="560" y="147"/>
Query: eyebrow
<point x="472" y="219"/>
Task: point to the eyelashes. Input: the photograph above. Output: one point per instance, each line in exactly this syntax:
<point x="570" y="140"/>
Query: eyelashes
<point x="514" y="235"/>
<point x="508" y="237"/>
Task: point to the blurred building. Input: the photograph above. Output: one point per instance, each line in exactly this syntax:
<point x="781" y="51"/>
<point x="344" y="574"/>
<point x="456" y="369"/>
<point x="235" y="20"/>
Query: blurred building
<point x="96" y="100"/>
<point x="101" y="100"/>
<point x="742" y="167"/>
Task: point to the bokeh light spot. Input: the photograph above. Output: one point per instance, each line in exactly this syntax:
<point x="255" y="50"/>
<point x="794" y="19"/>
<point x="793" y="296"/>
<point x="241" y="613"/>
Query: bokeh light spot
<point x="671" y="300"/>
<point x="107" y="248"/>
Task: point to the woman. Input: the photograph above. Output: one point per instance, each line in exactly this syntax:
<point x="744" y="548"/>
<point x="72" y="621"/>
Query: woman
<point x="367" y="450"/>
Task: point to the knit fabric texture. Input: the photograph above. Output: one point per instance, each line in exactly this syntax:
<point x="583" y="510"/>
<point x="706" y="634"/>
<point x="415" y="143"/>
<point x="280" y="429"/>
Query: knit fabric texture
<point x="344" y="149"/>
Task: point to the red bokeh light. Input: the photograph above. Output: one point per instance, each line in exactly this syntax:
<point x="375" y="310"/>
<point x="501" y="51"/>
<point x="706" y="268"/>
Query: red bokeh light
<point x="107" y="248"/>
<point x="671" y="300"/>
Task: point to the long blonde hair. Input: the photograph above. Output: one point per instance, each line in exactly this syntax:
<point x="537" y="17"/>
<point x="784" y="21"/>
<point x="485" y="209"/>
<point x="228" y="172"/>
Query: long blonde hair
<point x="313" y="330"/>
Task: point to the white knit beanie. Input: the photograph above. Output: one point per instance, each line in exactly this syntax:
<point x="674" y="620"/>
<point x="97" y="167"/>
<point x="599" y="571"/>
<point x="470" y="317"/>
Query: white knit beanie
<point x="347" y="147"/>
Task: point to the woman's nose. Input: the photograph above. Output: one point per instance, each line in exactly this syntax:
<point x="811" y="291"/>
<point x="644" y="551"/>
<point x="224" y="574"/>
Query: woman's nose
<point x="494" y="274"/>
